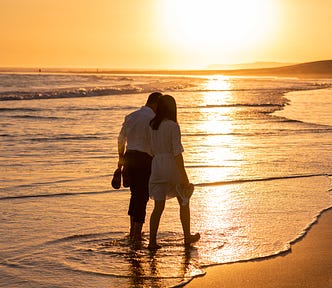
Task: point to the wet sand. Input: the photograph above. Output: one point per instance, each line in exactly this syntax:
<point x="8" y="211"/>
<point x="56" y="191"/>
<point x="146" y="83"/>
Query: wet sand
<point x="308" y="264"/>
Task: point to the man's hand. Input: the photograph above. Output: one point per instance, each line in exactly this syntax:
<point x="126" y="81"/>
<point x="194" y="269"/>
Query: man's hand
<point x="121" y="161"/>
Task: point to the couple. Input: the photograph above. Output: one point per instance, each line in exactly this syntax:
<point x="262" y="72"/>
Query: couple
<point x="150" y="151"/>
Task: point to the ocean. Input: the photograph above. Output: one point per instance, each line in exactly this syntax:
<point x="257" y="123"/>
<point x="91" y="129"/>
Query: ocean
<point x="258" y="149"/>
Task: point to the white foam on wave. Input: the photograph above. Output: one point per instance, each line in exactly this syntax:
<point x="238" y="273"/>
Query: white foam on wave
<point x="313" y="106"/>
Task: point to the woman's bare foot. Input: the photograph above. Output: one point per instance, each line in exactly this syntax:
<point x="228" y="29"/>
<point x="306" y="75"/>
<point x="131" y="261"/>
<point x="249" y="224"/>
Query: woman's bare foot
<point x="153" y="246"/>
<point x="192" y="239"/>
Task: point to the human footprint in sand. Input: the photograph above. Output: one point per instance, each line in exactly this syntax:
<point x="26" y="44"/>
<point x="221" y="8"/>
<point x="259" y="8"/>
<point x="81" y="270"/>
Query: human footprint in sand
<point x="168" y="176"/>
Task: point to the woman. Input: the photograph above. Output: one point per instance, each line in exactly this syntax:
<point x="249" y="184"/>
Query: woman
<point x="168" y="176"/>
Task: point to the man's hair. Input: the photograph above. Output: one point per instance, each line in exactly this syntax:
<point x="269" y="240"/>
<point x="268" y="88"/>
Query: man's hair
<point x="153" y="98"/>
<point x="166" y="110"/>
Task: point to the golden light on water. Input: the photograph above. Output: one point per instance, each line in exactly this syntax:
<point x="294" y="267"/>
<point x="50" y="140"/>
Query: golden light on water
<point x="218" y="82"/>
<point x="217" y="204"/>
<point x="222" y="158"/>
<point x="218" y="145"/>
<point x="216" y="114"/>
<point x="219" y="91"/>
<point x="220" y="218"/>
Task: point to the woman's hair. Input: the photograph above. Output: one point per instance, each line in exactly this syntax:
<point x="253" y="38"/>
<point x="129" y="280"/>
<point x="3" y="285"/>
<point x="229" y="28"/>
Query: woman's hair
<point x="166" y="110"/>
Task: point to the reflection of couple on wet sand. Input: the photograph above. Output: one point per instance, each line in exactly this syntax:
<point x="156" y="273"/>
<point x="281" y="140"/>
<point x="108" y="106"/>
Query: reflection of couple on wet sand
<point x="150" y="155"/>
<point x="150" y="271"/>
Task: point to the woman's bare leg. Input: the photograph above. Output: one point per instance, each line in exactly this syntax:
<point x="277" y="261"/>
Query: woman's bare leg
<point x="154" y="222"/>
<point x="185" y="221"/>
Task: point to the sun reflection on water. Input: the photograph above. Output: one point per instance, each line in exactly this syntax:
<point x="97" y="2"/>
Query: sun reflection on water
<point x="219" y="219"/>
<point x="218" y="82"/>
<point x="221" y="156"/>
<point x="216" y="149"/>
<point x="219" y="91"/>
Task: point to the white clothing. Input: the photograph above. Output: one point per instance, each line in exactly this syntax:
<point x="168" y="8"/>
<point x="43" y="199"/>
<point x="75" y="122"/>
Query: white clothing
<point x="166" y="145"/>
<point x="135" y="131"/>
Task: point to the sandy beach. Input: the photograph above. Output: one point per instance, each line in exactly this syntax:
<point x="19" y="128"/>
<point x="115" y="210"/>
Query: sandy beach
<point x="308" y="264"/>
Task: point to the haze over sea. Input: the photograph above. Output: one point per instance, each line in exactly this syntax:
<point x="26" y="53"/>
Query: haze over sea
<point x="258" y="150"/>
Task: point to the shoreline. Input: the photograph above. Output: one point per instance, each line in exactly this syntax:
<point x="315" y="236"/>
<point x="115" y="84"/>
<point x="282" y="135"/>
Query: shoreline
<point x="308" y="263"/>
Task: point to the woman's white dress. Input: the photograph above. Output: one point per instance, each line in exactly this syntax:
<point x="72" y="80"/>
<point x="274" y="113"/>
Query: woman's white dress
<point x="166" y="145"/>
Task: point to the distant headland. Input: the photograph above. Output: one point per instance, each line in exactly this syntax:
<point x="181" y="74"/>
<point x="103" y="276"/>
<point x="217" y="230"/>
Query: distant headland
<point x="310" y="69"/>
<point x="317" y="69"/>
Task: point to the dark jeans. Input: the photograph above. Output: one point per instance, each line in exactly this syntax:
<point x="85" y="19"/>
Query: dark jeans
<point x="138" y="168"/>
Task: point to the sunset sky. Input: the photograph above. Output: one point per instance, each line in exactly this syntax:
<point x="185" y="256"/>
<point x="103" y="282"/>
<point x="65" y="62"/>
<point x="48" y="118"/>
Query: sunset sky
<point x="165" y="34"/>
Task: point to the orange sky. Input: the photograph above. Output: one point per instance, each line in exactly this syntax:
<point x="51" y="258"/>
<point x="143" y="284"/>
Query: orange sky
<point x="171" y="34"/>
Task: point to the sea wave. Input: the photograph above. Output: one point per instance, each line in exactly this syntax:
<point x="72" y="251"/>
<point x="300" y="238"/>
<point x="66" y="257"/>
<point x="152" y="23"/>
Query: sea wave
<point x="36" y="117"/>
<point x="239" y="181"/>
<point x="60" y="194"/>
<point x="21" y="109"/>
<point x="244" y="105"/>
<point x="81" y="92"/>
<point x="74" y="87"/>
<point x="216" y="183"/>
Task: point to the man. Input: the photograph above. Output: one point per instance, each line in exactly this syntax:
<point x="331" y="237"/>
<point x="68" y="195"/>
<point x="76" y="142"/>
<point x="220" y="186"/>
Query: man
<point x="135" y="156"/>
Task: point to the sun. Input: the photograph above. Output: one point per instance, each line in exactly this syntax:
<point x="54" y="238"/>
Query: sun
<point x="217" y="26"/>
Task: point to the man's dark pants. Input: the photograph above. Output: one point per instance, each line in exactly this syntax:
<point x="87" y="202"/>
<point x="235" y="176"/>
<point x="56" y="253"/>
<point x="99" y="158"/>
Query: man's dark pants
<point x="137" y="166"/>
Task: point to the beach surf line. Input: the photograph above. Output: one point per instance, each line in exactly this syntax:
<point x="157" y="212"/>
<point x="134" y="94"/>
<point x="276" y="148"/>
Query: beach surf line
<point x="239" y="181"/>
